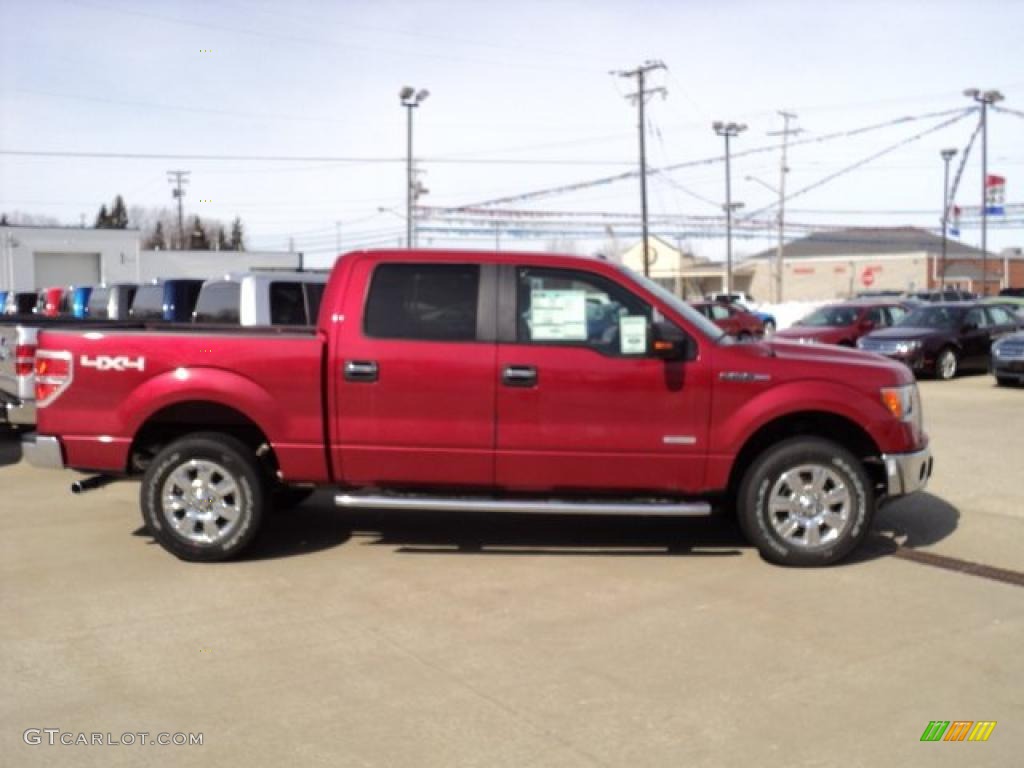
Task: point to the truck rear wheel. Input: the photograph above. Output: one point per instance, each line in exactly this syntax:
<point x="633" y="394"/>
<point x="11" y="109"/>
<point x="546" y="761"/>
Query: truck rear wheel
<point x="203" y="497"/>
<point x="805" y="502"/>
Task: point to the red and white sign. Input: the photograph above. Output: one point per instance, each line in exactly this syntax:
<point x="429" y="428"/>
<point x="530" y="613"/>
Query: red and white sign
<point x="995" y="194"/>
<point x="867" y="277"/>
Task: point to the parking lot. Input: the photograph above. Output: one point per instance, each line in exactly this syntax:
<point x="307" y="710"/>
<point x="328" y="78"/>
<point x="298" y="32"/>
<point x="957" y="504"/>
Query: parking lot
<point x="406" y="639"/>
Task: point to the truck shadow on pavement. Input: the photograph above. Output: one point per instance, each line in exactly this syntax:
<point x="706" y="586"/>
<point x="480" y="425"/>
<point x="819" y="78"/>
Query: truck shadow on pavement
<point x="318" y="525"/>
<point x="10" y="447"/>
<point x="919" y="520"/>
<point x="916" y="521"/>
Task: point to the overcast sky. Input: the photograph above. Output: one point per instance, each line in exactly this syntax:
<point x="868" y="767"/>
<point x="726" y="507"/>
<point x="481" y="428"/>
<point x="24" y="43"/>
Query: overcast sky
<point x="521" y="81"/>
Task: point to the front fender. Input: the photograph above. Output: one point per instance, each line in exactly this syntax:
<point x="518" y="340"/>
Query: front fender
<point x="734" y="427"/>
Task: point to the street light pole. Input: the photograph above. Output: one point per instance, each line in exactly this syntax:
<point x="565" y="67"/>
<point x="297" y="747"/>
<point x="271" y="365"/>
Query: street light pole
<point x="985" y="98"/>
<point x="728" y="131"/>
<point x="410" y="99"/>
<point x="947" y="155"/>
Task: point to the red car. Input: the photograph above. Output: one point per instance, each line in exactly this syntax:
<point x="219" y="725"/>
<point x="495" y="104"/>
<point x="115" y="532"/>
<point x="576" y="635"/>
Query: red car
<point x="845" y="322"/>
<point x="483" y="382"/>
<point x="52" y="302"/>
<point x="731" y="319"/>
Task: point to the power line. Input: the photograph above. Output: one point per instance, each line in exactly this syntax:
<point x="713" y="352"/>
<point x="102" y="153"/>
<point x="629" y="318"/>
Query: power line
<point x="868" y="159"/>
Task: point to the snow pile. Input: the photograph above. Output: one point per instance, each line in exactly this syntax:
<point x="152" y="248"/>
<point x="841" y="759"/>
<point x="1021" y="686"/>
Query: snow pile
<point x="788" y="312"/>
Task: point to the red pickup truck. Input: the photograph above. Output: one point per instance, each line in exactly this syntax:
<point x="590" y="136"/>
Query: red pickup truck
<point x="478" y="381"/>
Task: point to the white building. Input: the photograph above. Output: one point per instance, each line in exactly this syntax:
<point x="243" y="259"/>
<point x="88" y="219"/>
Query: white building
<point x="38" y="257"/>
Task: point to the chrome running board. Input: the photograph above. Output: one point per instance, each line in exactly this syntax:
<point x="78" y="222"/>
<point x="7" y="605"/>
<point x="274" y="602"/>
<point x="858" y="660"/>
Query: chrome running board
<point x="522" y="506"/>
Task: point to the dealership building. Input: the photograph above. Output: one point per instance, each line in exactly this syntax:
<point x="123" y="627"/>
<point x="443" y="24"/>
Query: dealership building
<point x="836" y="264"/>
<point x="32" y="258"/>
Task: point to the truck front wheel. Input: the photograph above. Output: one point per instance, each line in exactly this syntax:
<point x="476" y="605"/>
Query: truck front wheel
<point x="203" y="497"/>
<point x="805" y="501"/>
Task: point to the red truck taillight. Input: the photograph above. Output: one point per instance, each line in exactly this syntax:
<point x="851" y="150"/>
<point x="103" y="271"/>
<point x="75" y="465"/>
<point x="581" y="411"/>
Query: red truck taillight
<point x="54" y="371"/>
<point x="24" y="359"/>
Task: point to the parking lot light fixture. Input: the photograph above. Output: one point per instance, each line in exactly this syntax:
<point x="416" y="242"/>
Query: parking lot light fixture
<point x="947" y="155"/>
<point x="410" y="98"/>
<point x="728" y="131"/>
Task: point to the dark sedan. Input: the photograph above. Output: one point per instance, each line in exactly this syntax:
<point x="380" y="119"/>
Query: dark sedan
<point x="941" y="339"/>
<point x="1008" y="359"/>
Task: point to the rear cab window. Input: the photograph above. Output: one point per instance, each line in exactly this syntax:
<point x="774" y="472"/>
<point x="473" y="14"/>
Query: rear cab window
<point x="287" y="304"/>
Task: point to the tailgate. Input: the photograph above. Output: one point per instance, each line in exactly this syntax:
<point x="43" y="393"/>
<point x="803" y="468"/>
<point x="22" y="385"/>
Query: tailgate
<point x="12" y="386"/>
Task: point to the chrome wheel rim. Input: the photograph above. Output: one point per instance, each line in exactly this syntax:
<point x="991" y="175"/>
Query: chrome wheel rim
<point x="201" y="501"/>
<point x="947" y="365"/>
<point x="810" y="506"/>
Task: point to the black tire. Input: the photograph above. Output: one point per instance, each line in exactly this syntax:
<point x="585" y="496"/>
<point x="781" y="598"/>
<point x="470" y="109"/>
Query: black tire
<point x="195" y="454"/>
<point x="941" y="371"/>
<point x="285" y="497"/>
<point x="1004" y="381"/>
<point x="744" y="336"/>
<point x="761" y="526"/>
<point x="846" y="343"/>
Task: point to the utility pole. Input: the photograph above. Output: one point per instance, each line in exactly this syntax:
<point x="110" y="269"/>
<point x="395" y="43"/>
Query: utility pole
<point x="985" y="98"/>
<point x="410" y="99"/>
<point x="728" y="131"/>
<point x="947" y="155"/>
<point x="785" y="133"/>
<point x="178" y="178"/>
<point x="640" y="99"/>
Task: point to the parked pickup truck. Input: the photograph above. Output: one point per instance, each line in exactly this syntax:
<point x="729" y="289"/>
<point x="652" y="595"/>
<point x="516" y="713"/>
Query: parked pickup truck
<point x="485" y="382"/>
<point x="18" y="342"/>
<point x="271" y="298"/>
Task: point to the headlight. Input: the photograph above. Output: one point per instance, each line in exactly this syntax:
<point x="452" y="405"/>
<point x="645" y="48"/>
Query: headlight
<point x="900" y="401"/>
<point x="906" y="347"/>
<point x="861" y="342"/>
<point x="996" y="346"/>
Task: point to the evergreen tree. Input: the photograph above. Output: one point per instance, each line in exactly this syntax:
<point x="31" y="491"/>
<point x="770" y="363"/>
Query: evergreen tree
<point x="237" y="241"/>
<point x="119" y="214"/>
<point x="102" y="218"/>
<point x="157" y="241"/>
<point x="198" y="240"/>
<point x="222" y="240"/>
<point x="3" y="220"/>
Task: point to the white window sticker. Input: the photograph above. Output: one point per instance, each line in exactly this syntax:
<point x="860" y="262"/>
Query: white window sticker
<point x="558" y="315"/>
<point x="633" y="335"/>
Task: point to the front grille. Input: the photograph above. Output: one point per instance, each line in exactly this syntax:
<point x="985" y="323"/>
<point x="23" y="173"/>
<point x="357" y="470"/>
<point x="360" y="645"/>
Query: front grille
<point x="880" y="346"/>
<point x="1011" y="350"/>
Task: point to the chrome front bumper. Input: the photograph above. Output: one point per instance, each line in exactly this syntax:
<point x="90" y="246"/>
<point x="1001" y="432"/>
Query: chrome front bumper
<point x="42" y="451"/>
<point x="907" y="472"/>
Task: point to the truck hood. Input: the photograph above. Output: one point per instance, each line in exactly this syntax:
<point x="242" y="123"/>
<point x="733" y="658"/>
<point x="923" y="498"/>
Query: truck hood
<point x="793" y="360"/>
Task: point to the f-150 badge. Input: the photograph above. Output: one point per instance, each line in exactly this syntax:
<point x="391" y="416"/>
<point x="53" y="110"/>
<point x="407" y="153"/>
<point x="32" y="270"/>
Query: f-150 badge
<point x="119" y="363"/>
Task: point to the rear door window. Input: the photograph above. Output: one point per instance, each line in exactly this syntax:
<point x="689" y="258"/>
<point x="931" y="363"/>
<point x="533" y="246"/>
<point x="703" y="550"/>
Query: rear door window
<point x="423" y="302"/>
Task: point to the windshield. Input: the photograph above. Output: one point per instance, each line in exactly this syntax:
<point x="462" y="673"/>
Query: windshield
<point x="830" y="316"/>
<point x="692" y="316"/>
<point x="933" y="317"/>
